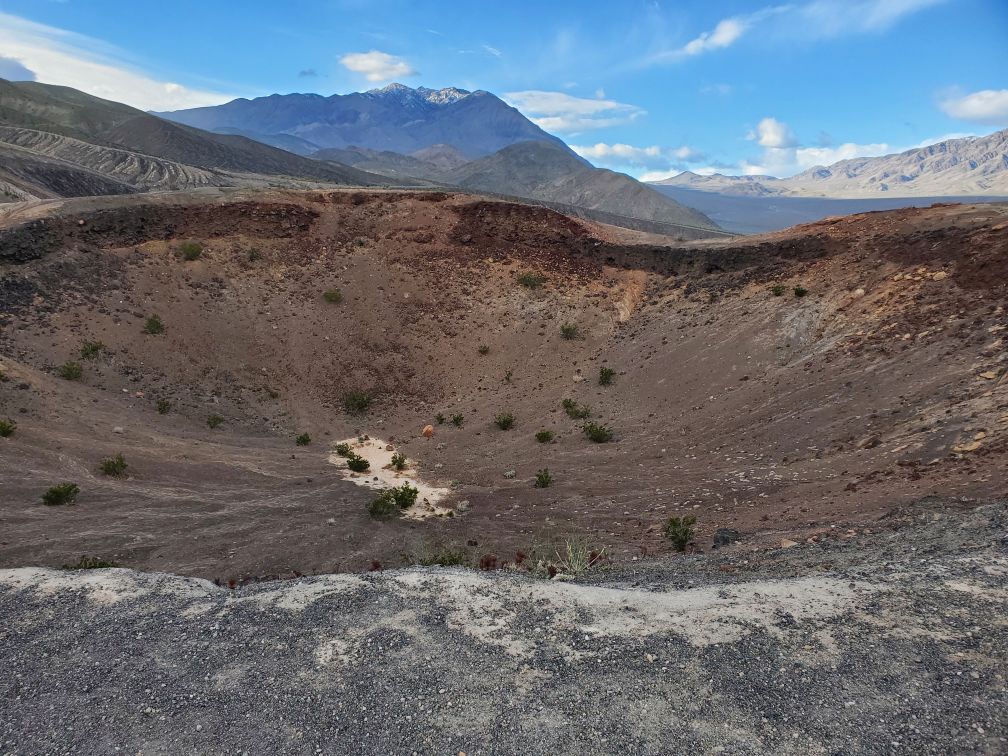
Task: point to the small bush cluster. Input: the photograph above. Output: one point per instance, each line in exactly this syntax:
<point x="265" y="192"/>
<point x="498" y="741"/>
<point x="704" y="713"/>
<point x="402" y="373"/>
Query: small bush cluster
<point x="303" y="440"/>
<point x="531" y="280"/>
<point x="544" y="436"/>
<point x="598" y="433"/>
<point x="7" y="428"/>
<point x="62" y="493"/>
<point x="439" y="418"/>
<point x="332" y="296"/>
<point x="570" y="332"/>
<point x="343" y="449"/>
<point x="71" y="371"/>
<point x="114" y="467"/>
<point x="399" y="461"/>
<point x="356" y="402"/>
<point x="390" y="502"/>
<point x="91" y="349"/>
<point x="543" y="478"/>
<point x="163" y="406"/>
<point x="90" y="563"/>
<point x="576" y="411"/>
<point x="450" y="555"/>
<point x="800" y="291"/>
<point x="153" y="326"/>
<point x="458" y="420"/>
<point x="357" y="463"/>
<point x="504" y="420"/>
<point x="190" y="250"/>
<point x="679" y="530"/>
<point x="778" y="290"/>
<point x="214" y="421"/>
<point x="605" y="376"/>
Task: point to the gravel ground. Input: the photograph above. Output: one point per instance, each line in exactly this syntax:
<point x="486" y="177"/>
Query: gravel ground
<point x="889" y="642"/>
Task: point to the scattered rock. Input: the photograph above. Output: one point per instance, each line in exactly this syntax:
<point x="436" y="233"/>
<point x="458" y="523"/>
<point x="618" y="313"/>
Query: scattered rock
<point x="428" y="431"/>
<point x="509" y="474"/>
<point x="787" y="543"/>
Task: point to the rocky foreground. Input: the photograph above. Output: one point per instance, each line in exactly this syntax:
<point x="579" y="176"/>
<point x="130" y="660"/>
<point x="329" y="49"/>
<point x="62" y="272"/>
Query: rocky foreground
<point x="888" y="642"/>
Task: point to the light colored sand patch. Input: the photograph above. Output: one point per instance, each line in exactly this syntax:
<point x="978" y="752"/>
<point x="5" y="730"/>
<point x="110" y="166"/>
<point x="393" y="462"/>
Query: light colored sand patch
<point x="297" y="596"/>
<point x="107" y="586"/>
<point x="382" y="475"/>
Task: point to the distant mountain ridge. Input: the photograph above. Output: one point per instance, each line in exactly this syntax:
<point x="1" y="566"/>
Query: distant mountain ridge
<point x="971" y="166"/>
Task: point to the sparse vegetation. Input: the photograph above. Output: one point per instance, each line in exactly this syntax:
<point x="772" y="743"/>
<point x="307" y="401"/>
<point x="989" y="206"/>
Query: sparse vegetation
<point x="190" y="250"/>
<point x="303" y="440"/>
<point x="570" y="331"/>
<point x="114" y="467"/>
<point x="543" y="479"/>
<point x="384" y="507"/>
<point x="504" y="420"/>
<point x="332" y="296"/>
<point x="440" y="418"/>
<point x="91" y="349"/>
<point x="484" y="349"/>
<point x="679" y="530"/>
<point x="7" y="428"/>
<point x="598" y="433"/>
<point x="576" y="411"/>
<point x="440" y="555"/>
<point x="399" y="461"/>
<point x="507" y="376"/>
<point x="343" y="449"/>
<point x="71" y="371"/>
<point x="605" y="376"/>
<point x="214" y="421"/>
<point x="778" y="290"/>
<point x="800" y="291"/>
<point x="405" y="496"/>
<point x="163" y="406"/>
<point x="60" y="494"/>
<point x="90" y="563"/>
<point x="576" y="557"/>
<point x="357" y="463"/>
<point x="153" y="326"/>
<point x="254" y="254"/>
<point x="531" y="280"/>
<point x="544" y="436"/>
<point x="356" y="402"/>
<point x="458" y="420"/>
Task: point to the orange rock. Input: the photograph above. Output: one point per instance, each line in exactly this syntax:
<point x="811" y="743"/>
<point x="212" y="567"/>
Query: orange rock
<point x="428" y="431"/>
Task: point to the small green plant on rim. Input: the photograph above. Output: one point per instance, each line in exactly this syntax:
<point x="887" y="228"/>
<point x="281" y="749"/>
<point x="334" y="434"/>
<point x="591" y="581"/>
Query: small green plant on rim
<point x="357" y="463"/>
<point x="332" y="296"/>
<point x="778" y="290"/>
<point x="605" y="376"/>
<point x="576" y="411"/>
<point x="356" y="402"/>
<point x="71" y="371"/>
<point x="154" y="326"/>
<point x="543" y="479"/>
<point x="399" y="461"/>
<point x="7" y="427"/>
<point x="114" y="467"/>
<point x="679" y="530"/>
<point x="62" y="493"/>
<point x="163" y="406"/>
<point x="458" y="420"/>
<point x="531" y="280"/>
<point x="544" y="436"/>
<point x="800" y="291"/>
<point x="91" y="349"/>
<point x="90" y="563"/>
<point x="504" y="421"/>
<point x="190" y="250"/>
<point x="303" y="440"/>
<point x="598" y="433"/>
<point x="214" y="421"/>
<point x="570" y="331"/>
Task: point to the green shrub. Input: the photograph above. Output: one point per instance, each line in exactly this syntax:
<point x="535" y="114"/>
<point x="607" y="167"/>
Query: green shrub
<point x="531" y="280"/>
<point x="507" y="376"/>
<point x="163" y="406"/>
<point x="214" y="421"/>
<point x="440" y="418"/>
<point x="343" y="449"/>
<point x="504" y="421"/>
<point x="254" y="254"/>
<point x="90" y="563"/>
<point x="598" y="433"/>
<point x="7" y="427"/>
<point x="544" y="436"/>
<point x="800" y="291"/>
<point x="483" y="349"/>
<point x="679" y="530"/>
<point x="91" y="349"/>
<point x="778" y="290"/>
<point x="153" y="326"/>
<point x="605" y="376"/>
<point x="405" y="496"/>
<point x="190" y="250"/>
<point x="332" y="296"/>
<point x="357" y="463"/>
<point x="71" y="371"/>
<point x="356" y="402"/>
<point x="303" y="440"/>
<point x="543" y="478"/>
<point x="63" y="493"/>
<point x="384" y="507"/>
<point x="440" y="556"/>
<point x="570" y="332"/>
<point x="576" y="411"/>
<point x="458" y="420"/>
<point x="399" y="461"/>
<point x="114" y="466"/>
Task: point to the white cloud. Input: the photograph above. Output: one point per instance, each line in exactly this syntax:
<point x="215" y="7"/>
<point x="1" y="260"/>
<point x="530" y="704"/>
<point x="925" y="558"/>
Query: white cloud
<point x="985" y="106"/>
<point x="563" y="113"/>
<point x="60" y="57"/>
<point x="642" y="161"/>
<point x="808" y="157"/>
<point x="723" y="35"/>
<point x="377" y="66"/>
<point x="772" y="133"/>
<point x="493" y="51"/>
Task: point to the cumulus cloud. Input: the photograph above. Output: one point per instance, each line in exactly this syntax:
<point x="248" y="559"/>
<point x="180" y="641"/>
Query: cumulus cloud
<point x="563" y="113"/>
<point x="724" y="34"/>
<point x="784" y="156"/>
<point x="986" y="106"/>
<point x="14" y="70"/>
<point x="772" y="133"/>
<point x="56" y="56"/>
<point x="377" y="66"/>
<point x="641" y="161"/>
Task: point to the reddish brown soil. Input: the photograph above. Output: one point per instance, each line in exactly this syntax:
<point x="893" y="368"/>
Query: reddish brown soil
<point x="777" y="416"/>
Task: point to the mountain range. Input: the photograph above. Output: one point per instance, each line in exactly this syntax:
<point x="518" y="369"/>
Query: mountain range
<point x="971" y="166"/>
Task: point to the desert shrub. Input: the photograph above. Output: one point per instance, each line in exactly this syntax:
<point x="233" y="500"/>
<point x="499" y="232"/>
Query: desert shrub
<point x="7" y="427"/>
<point x="90" y="563"/>
<point x="357" y="463"/>
<point x="303" y="440"/>
<point x="458" y="420"/>
<point x="570" y="331"/>
<point x="507" y="376"/>
<point x="254" y="254"/>
<point x="778" y="290"/>
<point x="71" y="371"/>
<point x="440" y="418"/>
<point x="440" y="555"/>
<point x="384" y="507"/>
<point x="800" y="291"/>
<point x="360" y="242"/>
<point x="356" y="402"/>
<point x="190" y="250"/>
<point x="214" y="421"/>
<point x="598" y="433"/>
<point x="576" y="556"/>
<point x="332" y="296"/>
<point x="91" y="349"/>
<point x="343" y="449"/>
<point x="153" y="326"/>
<point x="544" y="436"/>
<point x="605" y="376"/>
<point x="405" y="496"/>
<point x="531" y="280"/>
<point x="114" y="467"/>
<point x="679" y="530"/>
<point x="163" y="406"/>
<point x="504" y="420"/>
<point x="576" y="411"/>
<point x="543" y="478"/>
<point x="483" y="349"/>
<point x="399" y="461"/>
<point x="62" y="493"/>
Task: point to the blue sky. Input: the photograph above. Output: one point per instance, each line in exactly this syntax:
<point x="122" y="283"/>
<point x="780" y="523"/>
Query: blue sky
<point x="650" y="88"/>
